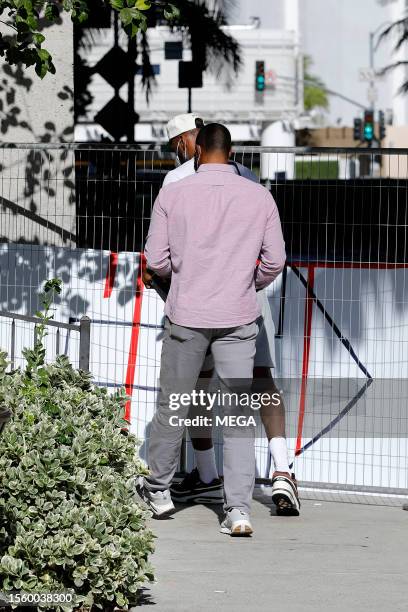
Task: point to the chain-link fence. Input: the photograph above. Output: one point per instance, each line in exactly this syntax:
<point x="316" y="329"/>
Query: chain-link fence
<point x="81" y="213"/>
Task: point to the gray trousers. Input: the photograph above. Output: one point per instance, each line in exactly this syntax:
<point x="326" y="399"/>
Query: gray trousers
<point x="183" y="354"/>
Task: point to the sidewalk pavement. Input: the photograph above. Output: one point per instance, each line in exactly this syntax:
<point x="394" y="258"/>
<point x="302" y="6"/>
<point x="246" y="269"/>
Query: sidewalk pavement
<point x="334" y="557"/>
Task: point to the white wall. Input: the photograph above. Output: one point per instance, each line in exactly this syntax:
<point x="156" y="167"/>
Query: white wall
<point x="37" y="186"/>
<point x="42" y="109"/>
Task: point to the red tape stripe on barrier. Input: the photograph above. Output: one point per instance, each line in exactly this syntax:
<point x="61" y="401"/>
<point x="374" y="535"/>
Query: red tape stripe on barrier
<point x="134" y="338"/>
<point x="110" y="275"/>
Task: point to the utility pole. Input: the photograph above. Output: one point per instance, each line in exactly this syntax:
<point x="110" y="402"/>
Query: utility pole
<point x="291" y="15"/>
<point x="132" y="54"/>
<point x="372" y="91"/>
<point x="190" y="105"/>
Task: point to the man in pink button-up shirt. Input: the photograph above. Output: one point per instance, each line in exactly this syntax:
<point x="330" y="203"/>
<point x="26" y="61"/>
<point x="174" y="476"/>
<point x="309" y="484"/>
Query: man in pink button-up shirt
<point x="207" y="231"/>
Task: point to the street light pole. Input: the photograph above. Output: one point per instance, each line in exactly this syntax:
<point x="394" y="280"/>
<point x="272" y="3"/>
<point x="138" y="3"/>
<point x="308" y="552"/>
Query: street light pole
<point x="372" y="69"/>
<point x="190" y="105"/>
<point x="373" y="49"/>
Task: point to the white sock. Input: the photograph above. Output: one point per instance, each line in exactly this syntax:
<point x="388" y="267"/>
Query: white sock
<point x="207" y="468"/>
<point x="279" y="452"/>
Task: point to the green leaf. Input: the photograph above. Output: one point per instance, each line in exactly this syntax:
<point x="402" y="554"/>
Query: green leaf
<point x="41" y="68"/>
<point x="143" y="5"/>
<point x="32" y="22"/>
<point x="121" y="600"/>
<point x="51" y="12"/>
<point x="127" y="15"/>
<point x="38" y="38"/>
<point x="83" y="16"/>
<point x="43" y="54"/>
<point x="54" y="284"/>
<point x="117" y="4"/>
<point x="28" y="5"/>
<point x="171" y="12"/>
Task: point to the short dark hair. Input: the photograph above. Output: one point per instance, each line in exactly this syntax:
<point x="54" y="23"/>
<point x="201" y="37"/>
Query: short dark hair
<point x="215" y="137"/>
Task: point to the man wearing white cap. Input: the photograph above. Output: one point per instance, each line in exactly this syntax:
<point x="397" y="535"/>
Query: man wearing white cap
<point x="203" y="484"/>
<point x="182" y="131"/>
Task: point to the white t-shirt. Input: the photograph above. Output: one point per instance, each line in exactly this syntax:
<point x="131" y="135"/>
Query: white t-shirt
<point x="186" y="169"/>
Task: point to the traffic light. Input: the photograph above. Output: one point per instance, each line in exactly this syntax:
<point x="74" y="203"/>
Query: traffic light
<point x="358" y="129"/>
<point x="382" y="127"/>
<point x="260" y="76"/>
<point x="190" y="75"/>
<point x="368" y="130"/>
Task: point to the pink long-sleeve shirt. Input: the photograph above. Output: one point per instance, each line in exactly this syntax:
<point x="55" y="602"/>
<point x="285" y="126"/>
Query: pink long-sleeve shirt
<point x="207" y="231"/>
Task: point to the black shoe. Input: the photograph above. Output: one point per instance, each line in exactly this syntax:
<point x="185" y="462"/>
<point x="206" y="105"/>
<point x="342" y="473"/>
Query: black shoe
<point x="192" y="489"/>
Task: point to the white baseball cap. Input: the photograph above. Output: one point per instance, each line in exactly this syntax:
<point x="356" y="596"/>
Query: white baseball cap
<point x="182" y="123"/>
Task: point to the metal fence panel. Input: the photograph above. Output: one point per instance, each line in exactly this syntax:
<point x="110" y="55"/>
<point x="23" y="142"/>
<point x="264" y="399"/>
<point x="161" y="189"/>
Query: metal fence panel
<point x="340" y="308"/>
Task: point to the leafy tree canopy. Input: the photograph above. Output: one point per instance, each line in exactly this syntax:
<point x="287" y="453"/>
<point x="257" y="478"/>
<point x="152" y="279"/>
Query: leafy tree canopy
<point x="27" y="18"/>
<point x="315" y="93"/>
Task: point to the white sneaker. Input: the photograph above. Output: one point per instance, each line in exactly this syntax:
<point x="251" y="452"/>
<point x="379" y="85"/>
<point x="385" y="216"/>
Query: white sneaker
<point x="236" y="523"/>
<point x="159" y="502"/>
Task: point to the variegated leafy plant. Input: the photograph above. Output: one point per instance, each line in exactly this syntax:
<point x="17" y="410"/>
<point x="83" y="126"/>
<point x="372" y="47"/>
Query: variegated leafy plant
<point x="69" y="519"/>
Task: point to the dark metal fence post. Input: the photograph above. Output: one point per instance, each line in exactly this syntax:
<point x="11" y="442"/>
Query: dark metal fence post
<point x="57" y="342"/>
<point x="84" y="343"/>
<point x="13" y="344"/>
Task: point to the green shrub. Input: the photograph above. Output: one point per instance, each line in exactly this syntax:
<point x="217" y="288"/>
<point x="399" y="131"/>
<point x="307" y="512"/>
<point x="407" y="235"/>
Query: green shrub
<point x="68" y="514"/>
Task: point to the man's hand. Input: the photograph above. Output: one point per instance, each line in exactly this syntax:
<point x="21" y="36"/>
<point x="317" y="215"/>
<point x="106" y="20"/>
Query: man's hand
<point x="147" y="277"/>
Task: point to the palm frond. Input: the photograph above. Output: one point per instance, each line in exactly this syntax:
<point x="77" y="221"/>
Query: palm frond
<point x="400" y="28"/>
<point x="404" y="86"/>
<point x="211" y="46"/>
<point x="148" y="76"/>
